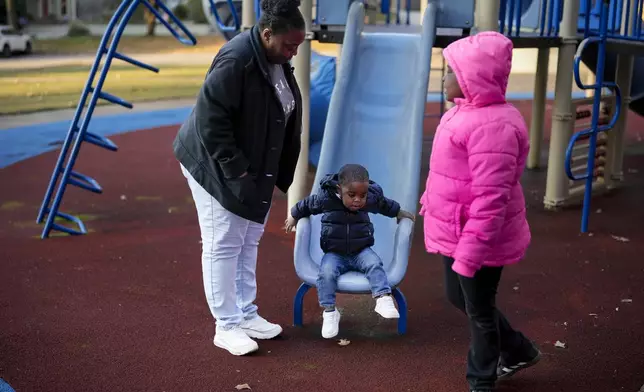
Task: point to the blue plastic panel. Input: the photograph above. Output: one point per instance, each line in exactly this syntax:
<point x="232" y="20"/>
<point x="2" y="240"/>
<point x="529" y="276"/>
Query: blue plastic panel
<point x="333" y="12"/>
<point x="458" y="14"/>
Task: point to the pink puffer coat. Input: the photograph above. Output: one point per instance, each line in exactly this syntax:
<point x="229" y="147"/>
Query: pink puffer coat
<point x="473" y="205"/>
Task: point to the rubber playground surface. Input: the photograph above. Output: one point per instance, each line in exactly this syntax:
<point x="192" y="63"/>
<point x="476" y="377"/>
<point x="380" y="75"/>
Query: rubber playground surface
<point x="123" y="309"/>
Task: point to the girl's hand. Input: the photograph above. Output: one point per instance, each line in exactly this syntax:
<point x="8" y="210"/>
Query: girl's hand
<point x="289" y="224"/>
<point x="404" y="214"/>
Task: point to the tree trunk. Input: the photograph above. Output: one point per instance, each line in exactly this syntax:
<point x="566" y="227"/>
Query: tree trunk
<point x="12" y="17"/>
<point x="150" y="19"/>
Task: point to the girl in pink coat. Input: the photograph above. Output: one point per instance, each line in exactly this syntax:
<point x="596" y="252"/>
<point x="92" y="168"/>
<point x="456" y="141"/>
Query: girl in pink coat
<point x="473" y="205"/>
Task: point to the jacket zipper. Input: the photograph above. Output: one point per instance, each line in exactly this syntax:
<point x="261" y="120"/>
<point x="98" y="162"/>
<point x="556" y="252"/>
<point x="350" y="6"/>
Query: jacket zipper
<point x="347" y="238"/>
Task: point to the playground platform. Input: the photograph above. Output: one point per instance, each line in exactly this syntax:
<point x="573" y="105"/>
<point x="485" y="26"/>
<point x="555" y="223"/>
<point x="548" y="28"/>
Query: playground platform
<point x="123" y="308"/>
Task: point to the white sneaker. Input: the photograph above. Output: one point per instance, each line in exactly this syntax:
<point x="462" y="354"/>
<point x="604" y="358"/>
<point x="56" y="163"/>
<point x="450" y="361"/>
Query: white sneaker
<point x="386" y="308"/>
<point x="235" y="341"/>
<point x="259" y="328"/>
<point x="330" y="324"/>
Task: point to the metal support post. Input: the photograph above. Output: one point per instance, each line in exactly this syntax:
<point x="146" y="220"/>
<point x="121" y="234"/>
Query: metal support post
<point x="248" y="14"/>
<point x="302" y="64"/>
<point x="538" y="107"/>
<point x="623" y="78"/>
<point x="557" y="188"/>
<point x="486" y="15"/>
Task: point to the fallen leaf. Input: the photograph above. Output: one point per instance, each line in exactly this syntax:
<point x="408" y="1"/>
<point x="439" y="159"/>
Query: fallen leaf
<point x="593" y="314"/>
<point x="627" y="301"/>
<point x="559" y="344"/>
<point x="620" y="239"/>
<point x="242" y="386"/>
<point x="633" y="171"/>
<point x="344" y="342"/>
<point x="599" y="211"/>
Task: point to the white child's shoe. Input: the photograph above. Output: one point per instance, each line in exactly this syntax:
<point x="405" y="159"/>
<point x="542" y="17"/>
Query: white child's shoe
<point x="235" y="341"/>
<point x="259" y="328"/>
<point x="330" y="324"/>
<point x="386" y="308"/>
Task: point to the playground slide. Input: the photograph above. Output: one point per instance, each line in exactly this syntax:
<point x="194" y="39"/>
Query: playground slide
<point x="375" y="119"/>
<point x="589" y="58"/>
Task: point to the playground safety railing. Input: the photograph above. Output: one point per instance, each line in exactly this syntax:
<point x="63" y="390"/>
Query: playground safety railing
<point x="622" y="23"/>
<point x="595" y="128"/>
<point x="511" y="15"/>
<point x="78" y="133"/>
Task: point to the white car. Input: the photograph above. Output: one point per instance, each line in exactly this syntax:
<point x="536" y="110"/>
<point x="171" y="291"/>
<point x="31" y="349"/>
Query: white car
<point x="12" y="41"/>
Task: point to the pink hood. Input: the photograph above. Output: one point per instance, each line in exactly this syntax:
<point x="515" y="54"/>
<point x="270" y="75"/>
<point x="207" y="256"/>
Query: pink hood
<point x="473" y="205"/>
<point x="482" y="65"/>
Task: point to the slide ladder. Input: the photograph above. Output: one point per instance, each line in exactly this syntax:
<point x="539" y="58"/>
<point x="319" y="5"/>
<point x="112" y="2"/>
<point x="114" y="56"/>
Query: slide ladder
<point x="78" y="133"/>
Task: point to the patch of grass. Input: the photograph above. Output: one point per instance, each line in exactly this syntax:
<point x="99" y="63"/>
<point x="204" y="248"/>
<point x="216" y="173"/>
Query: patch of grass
<point x="26" y="91"/>
<point x="11" y="205"/>
<point x="130" y="45"/>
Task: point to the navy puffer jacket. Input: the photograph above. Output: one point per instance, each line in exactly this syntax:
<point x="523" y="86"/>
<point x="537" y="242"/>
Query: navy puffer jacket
<point x="343" y="231"/>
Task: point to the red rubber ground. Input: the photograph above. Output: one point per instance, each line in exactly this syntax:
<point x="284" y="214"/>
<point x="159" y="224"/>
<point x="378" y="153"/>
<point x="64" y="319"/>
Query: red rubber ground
<point x="122" y="309"/>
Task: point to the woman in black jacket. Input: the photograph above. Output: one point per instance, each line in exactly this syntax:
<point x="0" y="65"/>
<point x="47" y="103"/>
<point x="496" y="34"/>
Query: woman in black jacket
<point x="240" y="141"/>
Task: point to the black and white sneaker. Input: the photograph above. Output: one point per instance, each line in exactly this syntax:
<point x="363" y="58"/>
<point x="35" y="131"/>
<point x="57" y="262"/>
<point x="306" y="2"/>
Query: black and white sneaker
<point x="505" y="371"/>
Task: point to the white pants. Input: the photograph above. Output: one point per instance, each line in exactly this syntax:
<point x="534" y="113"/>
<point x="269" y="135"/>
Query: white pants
<point x="229" y="258"/>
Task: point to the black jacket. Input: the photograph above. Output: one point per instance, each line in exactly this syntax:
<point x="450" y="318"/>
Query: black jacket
<point x="343" y="231"/>
<point x="236" y="126"/>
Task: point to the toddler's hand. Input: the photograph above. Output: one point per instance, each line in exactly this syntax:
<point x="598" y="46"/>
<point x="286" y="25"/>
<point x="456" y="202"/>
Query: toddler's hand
<point x="404" y="214"/>
<point x="289" y="224"/>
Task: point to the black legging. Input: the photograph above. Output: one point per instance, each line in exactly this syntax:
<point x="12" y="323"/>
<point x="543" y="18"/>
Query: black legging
<point x="492" y="335"/>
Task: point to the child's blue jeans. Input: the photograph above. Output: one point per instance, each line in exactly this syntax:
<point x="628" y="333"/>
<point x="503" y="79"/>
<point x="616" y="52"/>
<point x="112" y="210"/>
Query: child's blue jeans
<point x="333" y="265"/>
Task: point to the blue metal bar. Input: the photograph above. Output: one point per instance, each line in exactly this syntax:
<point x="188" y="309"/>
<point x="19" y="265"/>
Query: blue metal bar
<point x="503" y="12"/>
<point x="100" y="141"/>
<point x="627" y="18"/>
<point x="640" y="12"/>
<point x="511" y="17"/>
<point x="137" y="63"/>
<point x="113" y="99"/>
<point x="560" y="8"/>
<point x="220" y="23"/>
<point x="518" y="11"/>
<point x="190" y="40"/>
<point x="592" y="132"/>
<point x="258" y="9"/>
<point x="551" y="18"/>
<point x="587" y="18"/>
<point x="85" y="182"/>
<point x="79" y="109"/>
<point x="614" y="23"/>
<point x="408" y="12"/>
<point x="542" y="21"/>
<point x="70" y="218"/>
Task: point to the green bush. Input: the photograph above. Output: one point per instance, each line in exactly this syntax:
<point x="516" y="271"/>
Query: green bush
<point x="181" y="11"/>
<point x="196" y="11"/>
<point x="78" y="29"/>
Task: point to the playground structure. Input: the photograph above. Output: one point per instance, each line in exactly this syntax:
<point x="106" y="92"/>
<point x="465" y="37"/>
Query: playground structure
<point x="78" y="133"/>
<point x="575" y="27"/>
